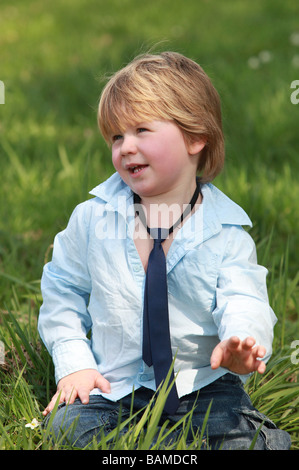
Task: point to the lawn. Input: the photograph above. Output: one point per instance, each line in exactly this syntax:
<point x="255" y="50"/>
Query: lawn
<point x="54" y="57"/>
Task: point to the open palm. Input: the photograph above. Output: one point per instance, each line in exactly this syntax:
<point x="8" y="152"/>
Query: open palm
<point x="241" y="357"/>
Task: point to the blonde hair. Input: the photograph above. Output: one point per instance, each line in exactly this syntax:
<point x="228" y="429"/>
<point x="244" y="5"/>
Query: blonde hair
<point x="166" y="86"/>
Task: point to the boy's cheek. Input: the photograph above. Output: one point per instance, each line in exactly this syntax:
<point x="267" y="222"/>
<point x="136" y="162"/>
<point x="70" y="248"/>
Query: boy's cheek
<point x="116" y="162"/>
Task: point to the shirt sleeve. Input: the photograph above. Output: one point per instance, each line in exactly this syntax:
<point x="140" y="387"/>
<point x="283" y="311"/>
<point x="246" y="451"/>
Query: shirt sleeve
<point x="242" y="305"/>
<point x="64" y="321"/>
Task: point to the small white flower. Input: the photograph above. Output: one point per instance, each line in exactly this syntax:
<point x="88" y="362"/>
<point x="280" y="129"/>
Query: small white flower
<point x="294" y="38"/>
<point x="34" y="423"/>
<point x="253" y="63"/>
<point x="265" y="56"/>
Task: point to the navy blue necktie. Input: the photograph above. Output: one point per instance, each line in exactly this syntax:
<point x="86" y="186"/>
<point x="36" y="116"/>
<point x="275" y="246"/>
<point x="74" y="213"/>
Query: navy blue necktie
<point x="156" y="348"/>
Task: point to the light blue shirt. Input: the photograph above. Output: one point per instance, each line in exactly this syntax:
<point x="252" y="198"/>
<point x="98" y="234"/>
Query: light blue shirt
<point x="95" y="282"/>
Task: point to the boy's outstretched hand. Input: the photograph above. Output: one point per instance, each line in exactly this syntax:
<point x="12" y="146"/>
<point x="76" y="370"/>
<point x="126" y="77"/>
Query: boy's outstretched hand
<point x="78" y="384"/>
<point x="239" y="356"/>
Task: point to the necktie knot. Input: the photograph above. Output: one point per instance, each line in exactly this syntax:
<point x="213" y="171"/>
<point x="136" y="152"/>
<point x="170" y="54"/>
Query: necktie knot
<point x="158" y="234"/>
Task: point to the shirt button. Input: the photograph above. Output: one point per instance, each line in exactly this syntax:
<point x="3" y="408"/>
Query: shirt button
<point x="136" y="268"/>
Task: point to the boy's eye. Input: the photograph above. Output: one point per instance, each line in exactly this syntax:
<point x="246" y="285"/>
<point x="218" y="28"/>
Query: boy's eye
<point x="139" y="130"/>
<point x="116" y="137"/>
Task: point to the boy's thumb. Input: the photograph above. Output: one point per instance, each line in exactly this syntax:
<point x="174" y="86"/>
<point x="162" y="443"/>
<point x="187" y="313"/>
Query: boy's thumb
<point x="103" y="384"/>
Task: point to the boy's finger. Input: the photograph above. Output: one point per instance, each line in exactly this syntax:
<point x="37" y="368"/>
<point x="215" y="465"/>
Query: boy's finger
<point x="83" y="394"/>
<point x="216" y="357"/>
<point x="233" y="342"/>
<point x="70" y="395"/>
<point x="49" y="408"/>
<point x="103" y="384"/>
<point x="248" y="343"/>
<point x="260" y="367"/>
<point x="261" y="351"/>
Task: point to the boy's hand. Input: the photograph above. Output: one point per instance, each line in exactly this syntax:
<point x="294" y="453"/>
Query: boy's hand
<point x="239" y="356"/>
<point x="78" y="384"/>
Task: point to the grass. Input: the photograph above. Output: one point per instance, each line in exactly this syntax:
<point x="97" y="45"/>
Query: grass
<point x="53" y="55"/>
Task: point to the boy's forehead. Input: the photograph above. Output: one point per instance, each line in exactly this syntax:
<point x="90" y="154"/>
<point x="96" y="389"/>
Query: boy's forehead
<point x="127" y="117"/>
<point x="121" y="112"/>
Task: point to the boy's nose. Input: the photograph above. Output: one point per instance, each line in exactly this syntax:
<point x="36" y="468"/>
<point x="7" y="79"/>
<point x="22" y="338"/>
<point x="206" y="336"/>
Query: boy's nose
<point x="128" y="145"/>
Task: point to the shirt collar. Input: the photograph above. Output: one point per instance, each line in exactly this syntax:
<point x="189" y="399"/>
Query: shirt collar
<point x="216" y="203"/>
<point x="218" y="209"/>
<point x="111" y="189"/>
<point x="115" y="194"/>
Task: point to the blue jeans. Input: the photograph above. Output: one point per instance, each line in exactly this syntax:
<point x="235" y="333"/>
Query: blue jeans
<point x="232" y="423"/>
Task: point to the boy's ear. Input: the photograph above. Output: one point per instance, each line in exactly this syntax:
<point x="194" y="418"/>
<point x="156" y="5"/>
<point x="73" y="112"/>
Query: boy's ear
<point x="196" y="146"/>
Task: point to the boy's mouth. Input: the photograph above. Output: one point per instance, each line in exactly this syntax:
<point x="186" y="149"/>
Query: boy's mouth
<point x="134" y="169"/>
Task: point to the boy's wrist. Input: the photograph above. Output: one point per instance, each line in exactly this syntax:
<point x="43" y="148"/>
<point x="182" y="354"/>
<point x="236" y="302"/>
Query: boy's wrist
<point x="71" y="357"/>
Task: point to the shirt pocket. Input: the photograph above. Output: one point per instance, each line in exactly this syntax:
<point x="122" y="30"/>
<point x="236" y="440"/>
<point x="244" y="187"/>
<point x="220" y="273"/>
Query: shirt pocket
<point x="192" y="282"/>
<point x="116" y="341"/>
<point x="108" y="341"/>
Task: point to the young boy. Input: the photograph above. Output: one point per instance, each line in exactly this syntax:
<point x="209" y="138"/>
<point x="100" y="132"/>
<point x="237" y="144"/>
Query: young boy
<point x="162" y="117"/>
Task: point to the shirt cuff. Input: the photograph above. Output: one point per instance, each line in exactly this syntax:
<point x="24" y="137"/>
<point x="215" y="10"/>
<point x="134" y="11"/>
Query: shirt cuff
<point x="72" y="356"/>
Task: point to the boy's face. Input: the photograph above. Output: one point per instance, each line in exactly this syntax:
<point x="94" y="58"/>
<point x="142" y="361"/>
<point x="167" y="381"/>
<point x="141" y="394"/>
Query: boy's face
<point x="154" y="159"/>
